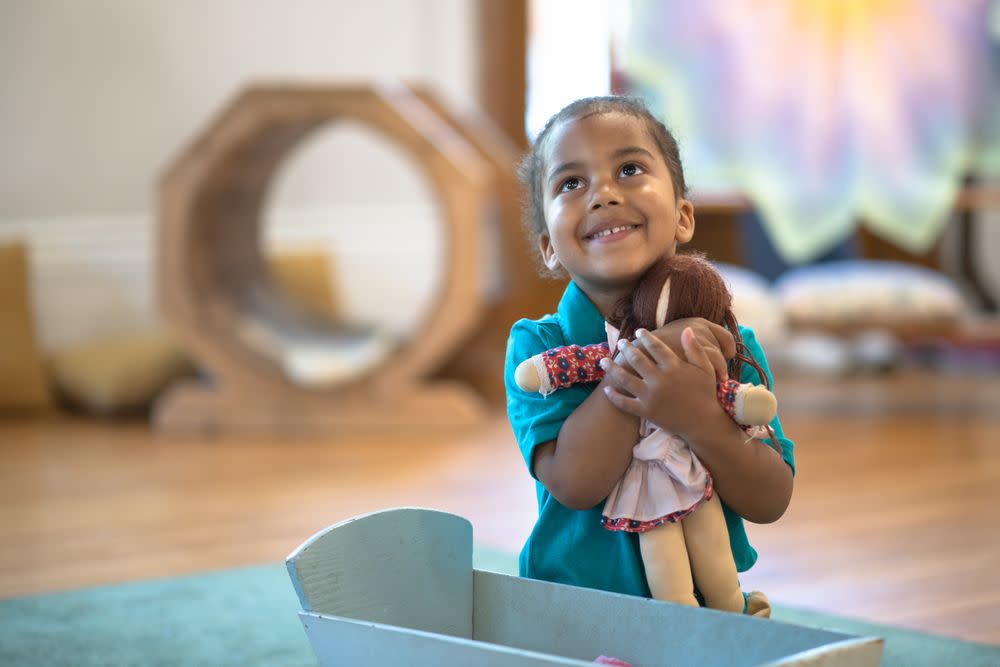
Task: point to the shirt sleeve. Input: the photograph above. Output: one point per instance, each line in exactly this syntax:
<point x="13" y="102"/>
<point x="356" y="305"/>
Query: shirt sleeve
<point x="536" y="419"/>
<point x="748" y="374"/>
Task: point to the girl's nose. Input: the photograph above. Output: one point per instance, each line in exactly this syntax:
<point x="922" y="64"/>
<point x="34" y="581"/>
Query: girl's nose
<point x="605" y="194"/>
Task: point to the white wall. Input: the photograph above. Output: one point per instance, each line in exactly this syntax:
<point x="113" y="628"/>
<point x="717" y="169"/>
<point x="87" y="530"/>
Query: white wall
<point x="98" y="96"/>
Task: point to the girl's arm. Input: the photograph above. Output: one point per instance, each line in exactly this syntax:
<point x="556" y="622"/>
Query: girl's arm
<point x="749" y="475"/>
<point x="679" y="395"/>
<point x="594" y="446"/>
<point x="593" y="449"/>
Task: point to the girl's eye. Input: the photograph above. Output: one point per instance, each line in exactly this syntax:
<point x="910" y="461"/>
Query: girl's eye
<point x="570" y="184"/>
<point x="630" y="169"/>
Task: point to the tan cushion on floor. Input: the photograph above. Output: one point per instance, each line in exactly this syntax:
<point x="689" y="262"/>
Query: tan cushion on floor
<point x="306" y="278"/>
<point x="119" y="374"/>
<point x="23" y="385"/>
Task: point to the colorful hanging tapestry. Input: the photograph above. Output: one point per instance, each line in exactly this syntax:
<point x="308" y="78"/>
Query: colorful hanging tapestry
<point x="826" y="112"/>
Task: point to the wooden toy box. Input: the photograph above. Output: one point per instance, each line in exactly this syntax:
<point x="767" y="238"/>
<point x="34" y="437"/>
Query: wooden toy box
<point x="398" y="588"/>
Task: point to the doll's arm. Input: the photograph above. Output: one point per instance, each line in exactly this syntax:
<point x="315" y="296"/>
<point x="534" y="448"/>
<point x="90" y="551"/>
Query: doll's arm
<point x="561" y="367"/>
<point x="748" y="404"/>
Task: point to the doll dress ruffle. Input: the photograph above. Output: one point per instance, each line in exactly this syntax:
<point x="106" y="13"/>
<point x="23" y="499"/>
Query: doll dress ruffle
<point x="665" y="482"/>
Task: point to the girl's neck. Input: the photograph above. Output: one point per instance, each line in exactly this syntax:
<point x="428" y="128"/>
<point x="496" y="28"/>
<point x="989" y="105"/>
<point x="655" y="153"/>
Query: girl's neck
<point x="605" y="299"/>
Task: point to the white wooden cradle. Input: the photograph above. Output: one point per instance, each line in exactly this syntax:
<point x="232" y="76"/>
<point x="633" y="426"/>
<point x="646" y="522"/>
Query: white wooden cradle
<point x="397" y="587"/>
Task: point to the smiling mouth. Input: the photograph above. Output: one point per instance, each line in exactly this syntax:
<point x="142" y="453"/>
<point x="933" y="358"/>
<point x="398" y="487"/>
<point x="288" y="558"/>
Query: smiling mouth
<point x="604" y="233"/>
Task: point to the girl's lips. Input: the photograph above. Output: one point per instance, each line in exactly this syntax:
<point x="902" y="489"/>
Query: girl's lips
<point x="612" y="233"/>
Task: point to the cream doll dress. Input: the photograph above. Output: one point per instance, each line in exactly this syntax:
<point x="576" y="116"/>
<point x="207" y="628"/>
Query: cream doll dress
<point x="664" y="482"/>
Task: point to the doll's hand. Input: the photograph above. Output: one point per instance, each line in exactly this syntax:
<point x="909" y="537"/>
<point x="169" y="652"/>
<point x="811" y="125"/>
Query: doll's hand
<point x="672" y="392"/>
<point x="716" y="341"/>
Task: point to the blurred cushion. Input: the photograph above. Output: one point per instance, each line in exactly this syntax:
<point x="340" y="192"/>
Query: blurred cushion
<point x="755" y="303"/>
<point x="859" y="294"/>
<point x="306" y="277"/>
<point x="23" y="385"/>
<point x="119" y="374"/>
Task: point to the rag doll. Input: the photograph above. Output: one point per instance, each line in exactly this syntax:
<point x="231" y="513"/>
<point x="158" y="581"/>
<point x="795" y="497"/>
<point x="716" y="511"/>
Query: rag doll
<point x="666" y="495"/>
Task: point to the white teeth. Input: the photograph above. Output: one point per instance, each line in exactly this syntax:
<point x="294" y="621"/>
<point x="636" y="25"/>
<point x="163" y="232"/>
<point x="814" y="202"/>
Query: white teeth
<point x="609" y="232"/>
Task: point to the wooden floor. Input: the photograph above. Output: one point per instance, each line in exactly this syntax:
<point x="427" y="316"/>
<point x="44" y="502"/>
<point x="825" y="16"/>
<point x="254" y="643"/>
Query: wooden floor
<point x="895" y="517"/>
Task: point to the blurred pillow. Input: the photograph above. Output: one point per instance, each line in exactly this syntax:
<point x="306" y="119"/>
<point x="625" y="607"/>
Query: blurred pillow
<point x="306" y="277"/>
<point x="23" y="385"/>
<point x="119" y="374"/>
<point x="755" y="303"/>
<point x="865" y="294"/>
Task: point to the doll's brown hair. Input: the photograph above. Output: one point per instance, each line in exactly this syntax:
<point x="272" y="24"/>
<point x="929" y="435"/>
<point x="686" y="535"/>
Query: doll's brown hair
<point x="696" y="290"/>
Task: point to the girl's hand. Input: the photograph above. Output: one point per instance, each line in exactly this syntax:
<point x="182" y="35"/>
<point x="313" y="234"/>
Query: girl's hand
<point x="715" y="341"/>
<point x="673" y="393"/>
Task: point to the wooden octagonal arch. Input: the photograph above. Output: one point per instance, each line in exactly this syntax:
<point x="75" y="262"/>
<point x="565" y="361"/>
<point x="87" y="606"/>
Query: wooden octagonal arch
<point x="216" y="293"/>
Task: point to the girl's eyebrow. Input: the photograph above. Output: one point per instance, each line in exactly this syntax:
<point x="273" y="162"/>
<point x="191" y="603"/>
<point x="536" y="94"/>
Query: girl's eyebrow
<point x="565" y="166"/>
<point x="616" y="155"/>
<point x="630" y="150"/>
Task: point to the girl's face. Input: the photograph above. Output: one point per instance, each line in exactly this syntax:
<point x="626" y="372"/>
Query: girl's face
<point x="609" y="204"/>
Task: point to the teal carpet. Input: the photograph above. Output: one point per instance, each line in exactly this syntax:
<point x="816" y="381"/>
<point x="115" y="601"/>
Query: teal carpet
<point x="248" y="616"/>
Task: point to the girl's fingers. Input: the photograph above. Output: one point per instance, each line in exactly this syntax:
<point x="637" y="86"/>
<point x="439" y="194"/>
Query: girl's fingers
<point x="636" y="358"/>
<point x="725" y="340"/>
<point x="620" y="378"/>
<point x="710" y="346"/>
<point x="658" y="351"/>
<point x="623" y="402"/>
<point x="715" y="339"/>
<point x="695" y="353"/>
<point x="718" y="362"/>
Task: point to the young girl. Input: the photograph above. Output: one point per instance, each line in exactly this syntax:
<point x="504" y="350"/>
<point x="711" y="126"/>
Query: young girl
<point x="606" y="201"/>
<point x="666" y="494"/>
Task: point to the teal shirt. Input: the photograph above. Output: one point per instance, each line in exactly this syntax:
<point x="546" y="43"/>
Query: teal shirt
<point x="570" y="546"/>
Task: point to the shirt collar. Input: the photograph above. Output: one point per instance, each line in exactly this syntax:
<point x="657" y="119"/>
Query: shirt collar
<point x="579" y="319"/>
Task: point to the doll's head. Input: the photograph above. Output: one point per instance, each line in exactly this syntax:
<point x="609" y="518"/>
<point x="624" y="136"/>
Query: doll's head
<point x="678" y="287"/>
<point x="532" y="169"/>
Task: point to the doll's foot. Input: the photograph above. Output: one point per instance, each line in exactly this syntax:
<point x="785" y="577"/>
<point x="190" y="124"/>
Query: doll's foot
<point x="757" y="604"/>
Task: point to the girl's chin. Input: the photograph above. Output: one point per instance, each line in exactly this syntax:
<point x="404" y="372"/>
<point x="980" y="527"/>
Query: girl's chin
<point x="618" y="281"/>
<point x="626" y="272"/>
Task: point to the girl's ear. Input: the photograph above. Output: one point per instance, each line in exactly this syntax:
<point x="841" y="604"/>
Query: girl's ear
<point x="685" y="221"/>
<point x="548" y="252"/>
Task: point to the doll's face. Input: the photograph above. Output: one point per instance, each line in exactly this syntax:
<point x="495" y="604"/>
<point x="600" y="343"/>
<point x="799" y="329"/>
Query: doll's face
<point x="609" y="203"/>
<point x="662" y="303"/>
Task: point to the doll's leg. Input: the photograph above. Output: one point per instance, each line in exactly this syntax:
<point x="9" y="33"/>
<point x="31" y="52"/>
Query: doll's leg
<point x="665" y="558"/>
<point x="707" y="540"/>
